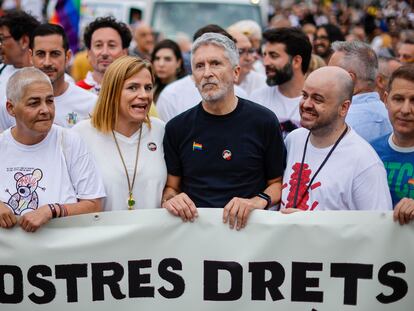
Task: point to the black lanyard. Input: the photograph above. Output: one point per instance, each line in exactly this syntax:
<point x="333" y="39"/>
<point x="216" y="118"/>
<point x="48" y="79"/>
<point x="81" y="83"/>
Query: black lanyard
<point x="2" y="68"/>
<point x="295" y="200"/>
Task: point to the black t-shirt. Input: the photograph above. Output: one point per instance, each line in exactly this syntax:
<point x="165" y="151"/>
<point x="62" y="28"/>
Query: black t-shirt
<point x="226" y="156"/>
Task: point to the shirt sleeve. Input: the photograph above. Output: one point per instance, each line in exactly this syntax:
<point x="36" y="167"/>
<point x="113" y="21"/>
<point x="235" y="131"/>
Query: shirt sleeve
<point x="370" y="189"/>
<point x="83" y="171"/>
<point x="172" y="158"/>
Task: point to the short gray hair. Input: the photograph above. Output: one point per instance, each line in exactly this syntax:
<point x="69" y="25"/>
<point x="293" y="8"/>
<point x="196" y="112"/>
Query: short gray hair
<point x="212" y="38"/>
<point x="21" y="79"/>
<point x="383" y="68"/>
<point x="360" y="58"/>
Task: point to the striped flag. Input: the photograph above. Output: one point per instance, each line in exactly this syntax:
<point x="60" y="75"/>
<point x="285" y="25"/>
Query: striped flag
<point x="67" y="14"/>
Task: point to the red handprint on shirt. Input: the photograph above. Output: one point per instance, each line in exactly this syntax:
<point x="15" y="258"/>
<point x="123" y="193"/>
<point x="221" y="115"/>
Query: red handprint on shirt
<point x="303" y="194"/>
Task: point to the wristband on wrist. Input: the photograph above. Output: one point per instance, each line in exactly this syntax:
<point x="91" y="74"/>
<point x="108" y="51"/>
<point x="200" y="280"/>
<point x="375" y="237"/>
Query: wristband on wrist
<point x="63" y="210"/>
<point x="266" y="197"/>
<point x="53" y="210"/>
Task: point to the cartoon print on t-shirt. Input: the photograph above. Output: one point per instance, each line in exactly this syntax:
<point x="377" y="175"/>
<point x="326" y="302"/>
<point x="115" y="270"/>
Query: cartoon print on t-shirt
<point x="72" y="118"/>
<point x="302" y="197"/>
<point x="26" y="198"/>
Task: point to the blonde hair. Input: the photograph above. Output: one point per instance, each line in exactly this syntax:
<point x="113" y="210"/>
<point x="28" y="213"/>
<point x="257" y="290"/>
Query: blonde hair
<point x="316" y="62"/>
<point x="105" y="115"/>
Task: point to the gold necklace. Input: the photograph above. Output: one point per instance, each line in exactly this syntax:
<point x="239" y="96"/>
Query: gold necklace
<point x="131" y="200"/>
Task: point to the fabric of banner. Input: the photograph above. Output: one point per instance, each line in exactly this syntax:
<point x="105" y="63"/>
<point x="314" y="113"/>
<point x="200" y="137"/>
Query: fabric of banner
<point x="150" y="260"/>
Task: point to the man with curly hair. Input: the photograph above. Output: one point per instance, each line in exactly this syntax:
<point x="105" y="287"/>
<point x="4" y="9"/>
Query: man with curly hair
<point x="105" y="39"/>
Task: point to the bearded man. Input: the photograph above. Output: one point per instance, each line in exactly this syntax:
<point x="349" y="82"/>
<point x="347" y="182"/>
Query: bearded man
<point x="286" y="57"/>
<point x="329" y="166"/>
<point x="226" y="151"/>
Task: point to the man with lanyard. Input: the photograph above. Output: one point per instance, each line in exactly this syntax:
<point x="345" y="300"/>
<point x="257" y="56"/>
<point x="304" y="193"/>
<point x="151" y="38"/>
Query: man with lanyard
<point x="396" y="150"/>
<point x="329" y="166"/>
<point x="226" y="151"/>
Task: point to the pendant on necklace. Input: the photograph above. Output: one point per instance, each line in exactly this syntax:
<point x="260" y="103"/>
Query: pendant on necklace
<point x="131" y="202"/>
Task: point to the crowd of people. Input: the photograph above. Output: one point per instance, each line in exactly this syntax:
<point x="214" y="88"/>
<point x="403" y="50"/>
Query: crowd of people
<point x="308" y="115"/>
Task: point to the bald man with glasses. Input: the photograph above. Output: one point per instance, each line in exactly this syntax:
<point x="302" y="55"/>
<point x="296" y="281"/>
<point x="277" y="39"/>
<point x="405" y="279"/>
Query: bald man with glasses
<point x="249" y="80"/>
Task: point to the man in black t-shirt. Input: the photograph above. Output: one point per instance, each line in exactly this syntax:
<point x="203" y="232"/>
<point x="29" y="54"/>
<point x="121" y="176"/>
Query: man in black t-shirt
<point x="225" y="152"/>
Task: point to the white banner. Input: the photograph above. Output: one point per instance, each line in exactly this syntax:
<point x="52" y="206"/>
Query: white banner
<point x="149" y="260"/>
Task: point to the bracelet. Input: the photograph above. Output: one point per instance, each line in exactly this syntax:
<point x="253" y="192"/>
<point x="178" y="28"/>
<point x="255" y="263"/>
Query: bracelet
<point x="53" y="210"/>
<point x="63" y="210"/>
<point x="266" y="197"/>
<point x="60" y="210"/>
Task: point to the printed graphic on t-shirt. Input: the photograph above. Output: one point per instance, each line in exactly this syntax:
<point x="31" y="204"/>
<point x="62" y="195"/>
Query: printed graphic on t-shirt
<point x="400" y="178"/>
<point x="25" y="198"/>
<point x="72" y="118"/>
<point x="302" y="193"/>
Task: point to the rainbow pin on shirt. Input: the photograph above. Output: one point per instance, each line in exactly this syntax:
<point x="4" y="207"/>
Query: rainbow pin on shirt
<point x="411" y="181"/>
<point x="197" y="146"/>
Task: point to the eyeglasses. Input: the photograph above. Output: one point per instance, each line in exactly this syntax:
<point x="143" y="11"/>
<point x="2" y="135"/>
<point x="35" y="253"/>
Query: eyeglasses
<point x="247" y="51"/>
<point x="3" y="38"/>
<point x="406" y="58"/>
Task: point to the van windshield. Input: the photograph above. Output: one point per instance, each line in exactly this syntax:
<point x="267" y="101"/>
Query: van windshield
<point x="122" y="11"/>
<point x="169" y="18"/>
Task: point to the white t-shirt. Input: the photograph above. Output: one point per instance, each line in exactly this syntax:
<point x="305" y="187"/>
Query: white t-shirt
<point x="253" y="81"/>
<point x="259" y="67"/>
<point x="4" y="77"/>
<point x="353" y="177"/>
<point x="285" y="108"/>
<point x="74" y="105"/>
<point x="151" y="173"/>
<point x="182" y="95"/>
<point x="59" y="169"/>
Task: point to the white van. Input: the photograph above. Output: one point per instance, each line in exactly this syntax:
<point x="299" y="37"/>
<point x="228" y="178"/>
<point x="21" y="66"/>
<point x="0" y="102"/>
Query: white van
<point x="127" y="11"/>
<point x="169" y="17"/>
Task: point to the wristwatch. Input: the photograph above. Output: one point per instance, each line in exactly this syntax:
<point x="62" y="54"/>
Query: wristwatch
<point x="266" y="197"/>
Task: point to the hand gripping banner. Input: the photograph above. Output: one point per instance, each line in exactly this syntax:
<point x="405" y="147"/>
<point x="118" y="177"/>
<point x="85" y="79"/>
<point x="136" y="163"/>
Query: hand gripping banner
<point x="150" y="260"/>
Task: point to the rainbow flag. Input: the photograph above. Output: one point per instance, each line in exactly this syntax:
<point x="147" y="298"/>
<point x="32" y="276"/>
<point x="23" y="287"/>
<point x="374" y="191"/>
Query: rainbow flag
<point x="67" y="14"/>
<point x="411" y="181"/>
<point x="197" y="146"/>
